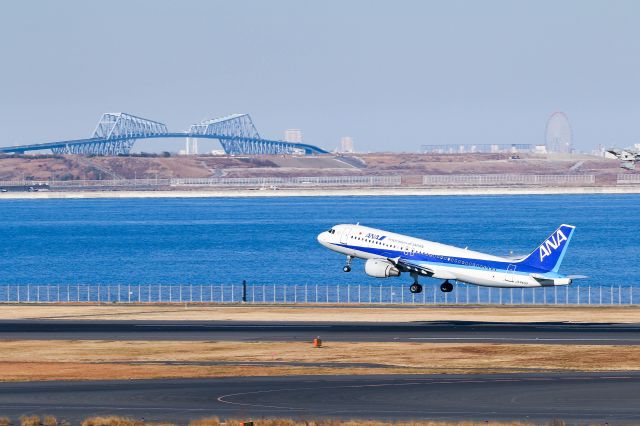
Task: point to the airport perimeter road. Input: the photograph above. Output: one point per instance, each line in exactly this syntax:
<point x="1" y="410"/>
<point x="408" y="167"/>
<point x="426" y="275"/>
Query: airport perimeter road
<point x="453" y="331"/>
<point x="579" y="398"/>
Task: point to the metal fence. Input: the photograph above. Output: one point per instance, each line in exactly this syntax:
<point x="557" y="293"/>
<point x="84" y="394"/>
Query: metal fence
<point x="387" y="180"/>
<point x="290" y="181"/>
<point x="628" y="179"/>
<point x="508" y="179"/>
<point x="315" y="293"/>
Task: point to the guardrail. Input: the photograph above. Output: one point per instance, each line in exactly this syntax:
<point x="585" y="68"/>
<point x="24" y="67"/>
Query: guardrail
<point x="315" y="293"/>
<point x="508" y="179"/>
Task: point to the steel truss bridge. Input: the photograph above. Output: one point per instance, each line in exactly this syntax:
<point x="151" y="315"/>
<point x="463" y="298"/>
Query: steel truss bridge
<point x="116" y="133"/>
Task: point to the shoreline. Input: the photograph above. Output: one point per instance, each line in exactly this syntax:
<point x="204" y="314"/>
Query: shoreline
<point x="323" y="192"/>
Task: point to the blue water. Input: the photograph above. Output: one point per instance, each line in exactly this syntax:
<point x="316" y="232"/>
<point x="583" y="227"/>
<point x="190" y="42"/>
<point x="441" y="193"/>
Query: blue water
<point x="273" y="240"/>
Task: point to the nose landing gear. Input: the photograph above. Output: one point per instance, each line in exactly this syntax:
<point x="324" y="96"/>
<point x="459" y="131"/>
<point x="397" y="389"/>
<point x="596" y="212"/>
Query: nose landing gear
<point x="347" y="267"/>
<point x="446" y="287"/>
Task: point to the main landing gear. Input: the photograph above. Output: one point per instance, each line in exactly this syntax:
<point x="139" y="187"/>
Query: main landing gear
<point x="415" y="287"/>
<point x="446" y="287"/>
<point x="347" y="267"/>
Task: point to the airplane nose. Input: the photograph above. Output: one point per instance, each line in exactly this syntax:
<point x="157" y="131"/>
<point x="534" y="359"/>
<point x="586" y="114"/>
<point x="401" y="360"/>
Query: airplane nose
<point x="322" y="237"/>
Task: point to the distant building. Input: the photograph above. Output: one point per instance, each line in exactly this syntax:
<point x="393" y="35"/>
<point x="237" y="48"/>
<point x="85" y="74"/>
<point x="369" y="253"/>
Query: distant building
<point x="558" y="134"/>
<point x="540" y="149"/>
<point x="457" y="148"/>
<point x="346" y="144"/>
<point x="293" y="135"/>
<point x="191" y="146"/>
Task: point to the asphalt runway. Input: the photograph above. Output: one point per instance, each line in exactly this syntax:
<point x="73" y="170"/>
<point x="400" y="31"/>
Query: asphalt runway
<point x="449" y="331"/>
<point x="581" y="398"/>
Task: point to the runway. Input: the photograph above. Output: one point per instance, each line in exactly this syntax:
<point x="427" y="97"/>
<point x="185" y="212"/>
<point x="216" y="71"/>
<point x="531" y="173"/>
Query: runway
<point x="449" y="331"/>
<point x="576" y="397"/>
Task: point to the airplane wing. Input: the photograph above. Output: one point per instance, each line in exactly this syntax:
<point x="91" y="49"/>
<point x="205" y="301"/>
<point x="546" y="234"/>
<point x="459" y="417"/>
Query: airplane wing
<point x="406" y="265"/>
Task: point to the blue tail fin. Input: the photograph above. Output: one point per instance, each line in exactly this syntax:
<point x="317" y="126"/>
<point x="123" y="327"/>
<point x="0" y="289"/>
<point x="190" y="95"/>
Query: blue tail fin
<point x="549" y="254"/>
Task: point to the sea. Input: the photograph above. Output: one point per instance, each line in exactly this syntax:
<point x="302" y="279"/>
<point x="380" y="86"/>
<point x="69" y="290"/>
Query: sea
<point x="266" y="241"/>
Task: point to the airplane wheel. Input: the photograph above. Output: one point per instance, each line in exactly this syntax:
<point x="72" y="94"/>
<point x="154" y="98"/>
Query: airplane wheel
<point x="446" y="287"/>
<point x="347" y="268"/>
<point x="415" y="288"/>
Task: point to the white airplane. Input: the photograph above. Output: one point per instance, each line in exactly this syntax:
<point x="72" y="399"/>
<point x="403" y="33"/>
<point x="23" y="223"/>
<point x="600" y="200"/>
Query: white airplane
<point x="388" y="255"/>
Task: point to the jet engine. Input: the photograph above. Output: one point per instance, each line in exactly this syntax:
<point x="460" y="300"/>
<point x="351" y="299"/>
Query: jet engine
<point x="380" y="268"/>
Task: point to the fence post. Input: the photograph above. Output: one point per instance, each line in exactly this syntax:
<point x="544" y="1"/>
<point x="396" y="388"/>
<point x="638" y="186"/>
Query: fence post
<point x="555" y="295"/>
<point x="619" y="294"/>
<point x="380" y="296"/>
<point x="306" y="293"/>
<point x="274" y="293"/>
<point x="244" y="291"/>
<point x="233" y="299"/>
<point x="630" y="295"/>
<point x="316" y="292"/>
<point x="477" y="294"/>
<point x="611" y="295"/>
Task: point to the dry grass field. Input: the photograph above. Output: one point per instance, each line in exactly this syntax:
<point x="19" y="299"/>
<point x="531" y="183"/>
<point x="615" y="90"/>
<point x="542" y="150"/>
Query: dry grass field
<point x="342" y="313"/>
<point x="98" y="360"/>
<point x="48" y="420"/>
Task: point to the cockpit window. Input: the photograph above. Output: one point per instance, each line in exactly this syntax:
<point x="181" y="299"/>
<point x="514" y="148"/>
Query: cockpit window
<point x="332" y="231"/>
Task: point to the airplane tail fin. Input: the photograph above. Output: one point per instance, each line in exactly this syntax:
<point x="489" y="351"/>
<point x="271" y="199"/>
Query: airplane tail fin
<point x="548" y="256"/>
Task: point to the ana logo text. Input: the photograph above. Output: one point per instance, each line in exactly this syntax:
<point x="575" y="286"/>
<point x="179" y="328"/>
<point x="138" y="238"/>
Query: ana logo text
<point x="552" y="243"/>
<point x="375" y="237"/>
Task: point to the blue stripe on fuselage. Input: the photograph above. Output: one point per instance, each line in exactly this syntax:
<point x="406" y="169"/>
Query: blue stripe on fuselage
<point x="460" y="262"/>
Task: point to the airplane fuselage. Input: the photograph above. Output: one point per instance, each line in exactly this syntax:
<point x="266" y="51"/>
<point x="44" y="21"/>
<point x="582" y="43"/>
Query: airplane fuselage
<point x="440" y="261"/>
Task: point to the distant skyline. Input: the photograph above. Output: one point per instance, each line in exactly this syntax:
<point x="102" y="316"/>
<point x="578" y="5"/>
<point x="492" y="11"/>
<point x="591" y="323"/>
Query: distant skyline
<point x="392" y="75"/>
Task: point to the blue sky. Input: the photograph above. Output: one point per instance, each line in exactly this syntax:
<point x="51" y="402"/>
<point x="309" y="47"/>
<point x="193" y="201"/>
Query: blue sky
<point x="391" y="74"/>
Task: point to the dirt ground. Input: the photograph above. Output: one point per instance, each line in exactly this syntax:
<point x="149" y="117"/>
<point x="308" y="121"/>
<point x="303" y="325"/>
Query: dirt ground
<point x="410" y="165"/>
<point x="305" y="313"/>
<point x="98" y="360"/>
